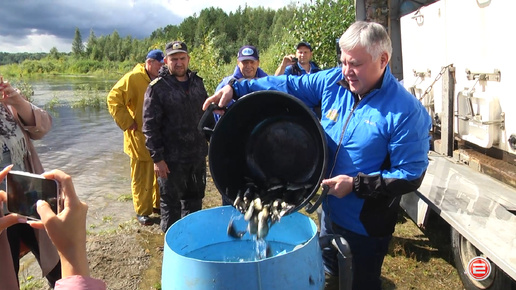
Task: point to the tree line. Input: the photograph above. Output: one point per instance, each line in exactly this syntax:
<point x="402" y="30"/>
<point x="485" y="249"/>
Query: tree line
<point x="213" y="38"/>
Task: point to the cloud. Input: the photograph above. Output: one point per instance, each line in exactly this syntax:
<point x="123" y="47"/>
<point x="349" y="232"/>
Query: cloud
<point x="37" y="26"/>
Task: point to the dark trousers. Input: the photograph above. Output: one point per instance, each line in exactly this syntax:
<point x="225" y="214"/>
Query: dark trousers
<point x="24" y="233"/>
<point x="368" y="254"/>
<point x="181" y="193"/>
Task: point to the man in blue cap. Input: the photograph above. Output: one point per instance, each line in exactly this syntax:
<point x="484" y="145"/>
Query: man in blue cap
<point x="248" y="66"/>
<point x="299" y="64"/>
<point x="125" y="104"/>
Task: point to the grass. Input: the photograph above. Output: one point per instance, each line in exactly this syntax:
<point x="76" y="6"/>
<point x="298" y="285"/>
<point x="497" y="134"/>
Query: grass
<point x="89" y="97"/>
<point x="53" y="103"/>
<point x="419" y="260"/>
<point x="107" y="219"/>
<point x="125" y="197"/>
<point x="29" y="285"/>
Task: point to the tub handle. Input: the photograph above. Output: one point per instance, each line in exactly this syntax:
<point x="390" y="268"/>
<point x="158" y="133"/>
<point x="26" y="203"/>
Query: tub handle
<point x="207" y="122"/>
<point x="309" y="208"/>
<point x="345" y="258"/>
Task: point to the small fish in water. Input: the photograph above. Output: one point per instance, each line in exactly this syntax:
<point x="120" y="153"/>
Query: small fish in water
<point x="268" y="252"/>
<point x="275" y="211"/>
<point x="286" y="209"/>
<point x="253" y="225"/>
<point x="232" y="232"/>
<point x="258" y="204"/>
<point x="239" y="203"/>
<point x="250" y="210"/>
<point x="263" y="225"/>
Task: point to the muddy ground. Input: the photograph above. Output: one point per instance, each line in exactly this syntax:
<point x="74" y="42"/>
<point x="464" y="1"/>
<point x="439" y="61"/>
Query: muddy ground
<point x="128" y="256"/>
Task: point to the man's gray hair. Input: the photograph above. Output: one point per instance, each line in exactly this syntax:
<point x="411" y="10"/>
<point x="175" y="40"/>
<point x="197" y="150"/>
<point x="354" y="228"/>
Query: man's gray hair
<point x="370" y="35"/>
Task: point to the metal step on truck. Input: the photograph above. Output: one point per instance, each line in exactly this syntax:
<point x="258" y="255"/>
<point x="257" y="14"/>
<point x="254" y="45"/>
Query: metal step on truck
<point x="458" y="57"/>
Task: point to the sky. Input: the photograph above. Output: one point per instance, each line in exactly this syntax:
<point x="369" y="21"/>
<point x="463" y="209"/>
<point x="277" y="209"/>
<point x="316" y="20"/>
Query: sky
<point x="39" y="25"/>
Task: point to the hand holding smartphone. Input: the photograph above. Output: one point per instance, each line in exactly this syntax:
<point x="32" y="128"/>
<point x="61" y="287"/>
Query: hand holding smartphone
<point x="25" y="189"/>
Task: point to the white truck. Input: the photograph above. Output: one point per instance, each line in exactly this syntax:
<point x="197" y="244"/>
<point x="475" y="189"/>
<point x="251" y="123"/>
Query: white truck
<point x="458" y="57"/>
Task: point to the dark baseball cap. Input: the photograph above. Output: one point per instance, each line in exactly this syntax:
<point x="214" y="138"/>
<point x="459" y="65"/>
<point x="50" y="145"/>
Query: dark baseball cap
<point x="248" y="52"/>
<point x="156" y="54"/>
<point x="304" y="43"/>
<point x="175" y="47"/>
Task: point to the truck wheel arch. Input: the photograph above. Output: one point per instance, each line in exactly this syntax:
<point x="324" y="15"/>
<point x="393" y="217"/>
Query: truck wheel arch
<point x="463" y="252"/>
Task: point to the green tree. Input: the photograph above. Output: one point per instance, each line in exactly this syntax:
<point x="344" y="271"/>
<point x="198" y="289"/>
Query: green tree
<point x="54" y="53"/>
<point x="187" y="28"/>
<point x="321" y="24"/>
<point x="206" y="62"/>
<point x="211" y="20"/>
<point x="90" y="46"/>
<point x="77" y="45"/>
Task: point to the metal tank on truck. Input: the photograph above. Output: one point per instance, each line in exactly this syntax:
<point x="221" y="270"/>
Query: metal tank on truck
<point x="457" y="58"/>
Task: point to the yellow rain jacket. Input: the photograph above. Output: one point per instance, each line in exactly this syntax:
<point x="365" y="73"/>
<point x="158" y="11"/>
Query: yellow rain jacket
<point x="125" y="104"/>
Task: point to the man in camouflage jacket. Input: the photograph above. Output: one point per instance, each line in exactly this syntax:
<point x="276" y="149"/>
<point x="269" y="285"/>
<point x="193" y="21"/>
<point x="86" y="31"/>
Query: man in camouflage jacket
<point x="171" y="112"/>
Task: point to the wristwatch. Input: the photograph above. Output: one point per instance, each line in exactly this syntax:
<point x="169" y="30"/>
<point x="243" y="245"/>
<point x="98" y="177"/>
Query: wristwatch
<point x="232" y="81"/>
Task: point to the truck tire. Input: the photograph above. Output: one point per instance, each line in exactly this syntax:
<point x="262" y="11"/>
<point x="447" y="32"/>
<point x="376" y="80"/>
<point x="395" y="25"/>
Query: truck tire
<point x="463" y="252"/>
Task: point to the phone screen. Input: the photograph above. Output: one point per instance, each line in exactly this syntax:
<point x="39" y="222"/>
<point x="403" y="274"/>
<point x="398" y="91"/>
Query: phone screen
<point x="25" y="189"/>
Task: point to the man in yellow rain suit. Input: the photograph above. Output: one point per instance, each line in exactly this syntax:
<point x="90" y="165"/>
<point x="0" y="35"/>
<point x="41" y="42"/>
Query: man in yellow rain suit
<point x="125" y="104"/>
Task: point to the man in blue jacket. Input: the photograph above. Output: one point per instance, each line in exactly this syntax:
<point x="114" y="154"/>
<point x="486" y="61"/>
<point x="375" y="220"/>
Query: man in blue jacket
<point x="378" y="140"/>
<point x="248" y="66"/>
<point x="299" y="64"/>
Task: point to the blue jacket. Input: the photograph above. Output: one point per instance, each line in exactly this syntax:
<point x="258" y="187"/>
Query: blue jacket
<point x="237" y="74"/>
<point x="289" y="70"/>
<point x="384" y="146"/>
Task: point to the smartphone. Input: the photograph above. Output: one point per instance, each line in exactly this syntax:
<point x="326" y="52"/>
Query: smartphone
<point x="294" y="59"/>
<point x="24" y="189"/>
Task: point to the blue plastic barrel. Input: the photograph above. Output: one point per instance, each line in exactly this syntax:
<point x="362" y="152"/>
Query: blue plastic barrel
<point x="198" y="254"/>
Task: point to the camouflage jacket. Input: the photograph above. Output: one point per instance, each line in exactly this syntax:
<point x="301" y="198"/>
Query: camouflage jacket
<point x="170" y="118"/>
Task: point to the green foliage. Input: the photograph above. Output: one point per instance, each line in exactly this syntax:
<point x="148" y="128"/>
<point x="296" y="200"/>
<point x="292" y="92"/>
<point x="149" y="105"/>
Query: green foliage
<point x="77" y="45"/>
<point x="204" y="60"/>
<point x="270" y="59"/>
<point x="52" y="104"/>
<point x="30" y="284"/>
<point x="9" y="58"/>
<point x="125" y="197"/>
<point x="37" y="66"/>
<point x="322" y="23"/>
<point x="87" y="96"/>
<point x="54" y="53"/>
<point x="26" y="90"/>
<point x="83" y="66"/>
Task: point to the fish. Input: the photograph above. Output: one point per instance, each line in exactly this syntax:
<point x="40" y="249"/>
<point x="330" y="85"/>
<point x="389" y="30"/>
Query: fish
<point x="263" y="224"/>
<point x="232" y="232"/>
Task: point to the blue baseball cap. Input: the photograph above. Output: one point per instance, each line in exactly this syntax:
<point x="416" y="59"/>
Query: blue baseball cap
<point x="156" y="54"/>
<point x="248" y="52"/>
<point x="304" y="43"/>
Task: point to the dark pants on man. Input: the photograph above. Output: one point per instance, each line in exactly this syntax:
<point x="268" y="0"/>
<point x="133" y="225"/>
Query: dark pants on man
<point x="368" y="254"/>
<point x="182" y="192"/>
<point x="24" y="233"/>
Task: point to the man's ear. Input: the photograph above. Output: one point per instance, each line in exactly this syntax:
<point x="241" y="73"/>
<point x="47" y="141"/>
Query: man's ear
<point x="384" y="59"/>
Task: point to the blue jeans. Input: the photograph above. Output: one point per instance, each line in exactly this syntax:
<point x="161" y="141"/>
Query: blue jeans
<point x="368" y="254"/>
